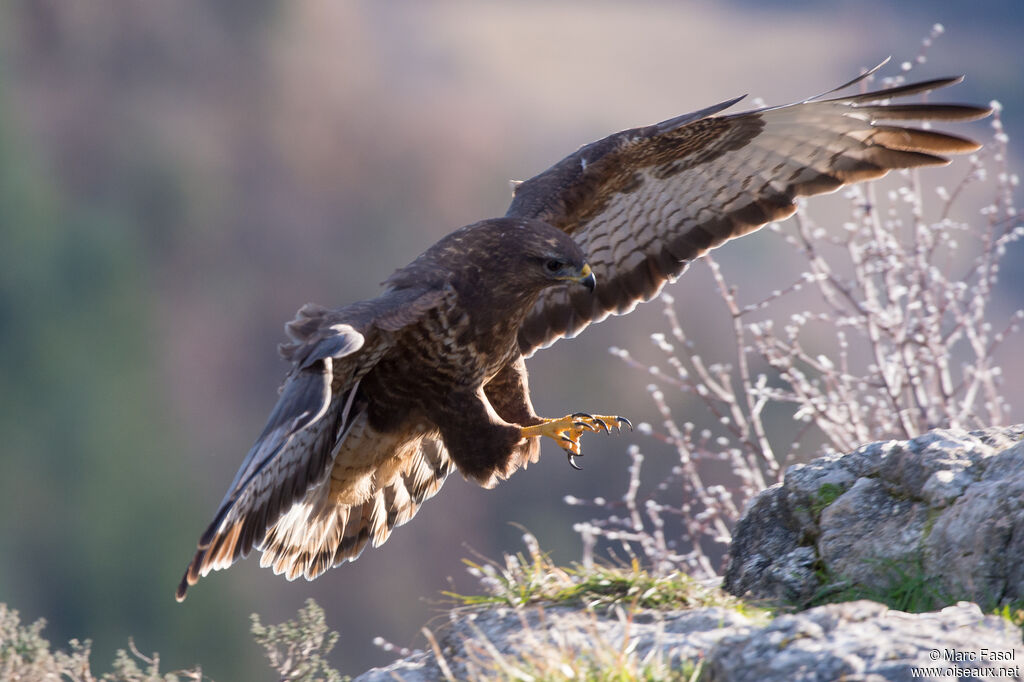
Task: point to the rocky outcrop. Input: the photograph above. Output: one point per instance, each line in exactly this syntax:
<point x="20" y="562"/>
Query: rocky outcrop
<point x="947" y="506"/>
<point x="478" y="641"/>
<point x="863" y="640"/>
<point x="858" y="640"/>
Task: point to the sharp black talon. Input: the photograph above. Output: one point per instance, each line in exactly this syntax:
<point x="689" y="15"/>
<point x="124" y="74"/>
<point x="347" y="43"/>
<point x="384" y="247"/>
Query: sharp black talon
<point x="566" y="438"/>
<point x="581" y="415"/>
<point x="582" y="425"/>
<point x="623" y="420"/>
<point x="601" y="423"/>
<point x="573" y="464"/>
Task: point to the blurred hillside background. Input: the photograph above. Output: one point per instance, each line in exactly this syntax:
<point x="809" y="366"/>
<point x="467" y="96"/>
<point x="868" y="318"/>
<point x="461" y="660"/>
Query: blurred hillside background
<point x="177" y="178"/>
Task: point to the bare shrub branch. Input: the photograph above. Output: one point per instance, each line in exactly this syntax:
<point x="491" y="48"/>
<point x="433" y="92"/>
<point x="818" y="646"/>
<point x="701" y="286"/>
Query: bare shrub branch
<point x="894" y="337"/>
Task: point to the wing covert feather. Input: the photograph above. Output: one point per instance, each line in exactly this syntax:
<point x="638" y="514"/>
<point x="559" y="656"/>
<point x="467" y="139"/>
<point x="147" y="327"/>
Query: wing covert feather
<point x="323" y="531"/>
<point x="330" y="352"/>
<point x="645" y="202"/>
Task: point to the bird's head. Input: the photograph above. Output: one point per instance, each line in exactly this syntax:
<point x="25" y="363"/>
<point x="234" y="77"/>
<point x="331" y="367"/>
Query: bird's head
<point x="558" y="267"/>
<point x="504" y="261"/>
<point x="540" y="255"/>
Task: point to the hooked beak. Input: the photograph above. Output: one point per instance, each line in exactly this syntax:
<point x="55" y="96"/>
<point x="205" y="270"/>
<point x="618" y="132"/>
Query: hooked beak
<point x="586" y="278"/>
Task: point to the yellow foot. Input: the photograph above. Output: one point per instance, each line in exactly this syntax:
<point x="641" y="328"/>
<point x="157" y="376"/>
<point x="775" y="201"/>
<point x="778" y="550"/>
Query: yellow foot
<point x="567" y="430"/>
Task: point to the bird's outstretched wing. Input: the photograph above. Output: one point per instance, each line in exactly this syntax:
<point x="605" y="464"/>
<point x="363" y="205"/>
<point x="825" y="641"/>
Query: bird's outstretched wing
<point x="331" y="351"/>
<point x="644" y="202"/>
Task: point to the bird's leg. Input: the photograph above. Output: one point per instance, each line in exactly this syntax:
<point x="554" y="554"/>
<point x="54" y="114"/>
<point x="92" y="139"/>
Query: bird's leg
<point x="566" y="431"/>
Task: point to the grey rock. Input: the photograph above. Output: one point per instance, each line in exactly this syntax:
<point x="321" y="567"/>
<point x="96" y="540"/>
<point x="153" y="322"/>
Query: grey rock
<point x="863" y="640"/>
<point x="473" y="640"/>
<point x="859" y="640"/>
<point x="419" y="666"/>
<point x="867" y="524"/>
<point x="948" y="503"/>
<point x="976" y="546"/>
<point x="771" y="559"/>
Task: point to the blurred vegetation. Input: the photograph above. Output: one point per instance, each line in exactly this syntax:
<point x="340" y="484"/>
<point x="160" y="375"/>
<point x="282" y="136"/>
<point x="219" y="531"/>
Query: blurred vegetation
<point x="295" y="651"/>
<point x="296" y="648"/>
<point x="77" y="417"/>
<point x="88" y="455"/>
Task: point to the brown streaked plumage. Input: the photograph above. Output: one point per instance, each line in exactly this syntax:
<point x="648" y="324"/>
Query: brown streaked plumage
<point x="386" y="397"/>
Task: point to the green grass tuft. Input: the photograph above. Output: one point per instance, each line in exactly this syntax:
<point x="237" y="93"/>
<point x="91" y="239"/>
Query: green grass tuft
<point x="906" y="587"/>
<point x="824" y="496"/>
<point x="533" y="578"/>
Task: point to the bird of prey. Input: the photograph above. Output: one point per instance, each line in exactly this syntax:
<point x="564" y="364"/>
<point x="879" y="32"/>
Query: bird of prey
<point x="386" y="397"/>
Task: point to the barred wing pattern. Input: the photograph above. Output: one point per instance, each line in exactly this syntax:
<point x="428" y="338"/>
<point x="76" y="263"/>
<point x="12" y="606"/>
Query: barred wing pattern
<point x="377" y="483"/>
<point x="645" y="202"/>
<point x="319" y="483"/>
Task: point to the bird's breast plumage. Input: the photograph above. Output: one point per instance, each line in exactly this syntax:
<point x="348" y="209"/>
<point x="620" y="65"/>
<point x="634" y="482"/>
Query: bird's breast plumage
<point x="445" y="350"/>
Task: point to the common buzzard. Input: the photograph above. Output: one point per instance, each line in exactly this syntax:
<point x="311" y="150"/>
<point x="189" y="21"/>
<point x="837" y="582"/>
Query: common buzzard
<point x="388" y="396"/>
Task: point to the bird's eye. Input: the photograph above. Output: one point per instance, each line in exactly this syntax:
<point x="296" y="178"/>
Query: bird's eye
<point x="553" y="265"/>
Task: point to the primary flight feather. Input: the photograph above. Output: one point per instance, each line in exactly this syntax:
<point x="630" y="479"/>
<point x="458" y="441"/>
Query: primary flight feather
<point x="386" y="397"/>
